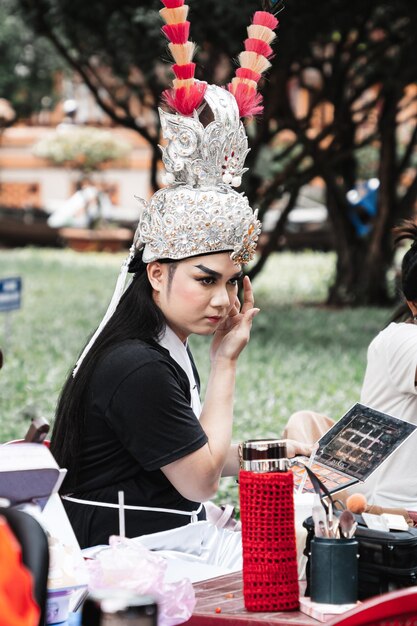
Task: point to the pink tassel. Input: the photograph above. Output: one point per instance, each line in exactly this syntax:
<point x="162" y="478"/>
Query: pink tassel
<point x="184" y="72"/>
<point x="245" y="72"/>
<point x="249" y="101"/>
<point x="177" y="33"/>
<point x="172" y="4"/>
<point x="253" y="62"/>
<point x="185" y="100"/>
<point x="263" y="18"/>
<point x="258" y="46"/>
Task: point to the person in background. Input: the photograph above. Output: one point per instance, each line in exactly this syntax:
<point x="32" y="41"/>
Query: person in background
<point x="389" y="386"/>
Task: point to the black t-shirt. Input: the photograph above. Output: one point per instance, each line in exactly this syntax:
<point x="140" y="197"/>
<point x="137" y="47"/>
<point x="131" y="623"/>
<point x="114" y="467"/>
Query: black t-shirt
<point x="139" y="419"/>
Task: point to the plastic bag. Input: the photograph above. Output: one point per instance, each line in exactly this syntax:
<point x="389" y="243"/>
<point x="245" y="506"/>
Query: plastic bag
<point x="129" y="565"/>
<point x="199" y="542"/>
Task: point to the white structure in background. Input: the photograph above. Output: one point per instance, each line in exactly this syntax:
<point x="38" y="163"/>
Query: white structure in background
<point x="85" y="206"/>
<point x="310" y="209"/>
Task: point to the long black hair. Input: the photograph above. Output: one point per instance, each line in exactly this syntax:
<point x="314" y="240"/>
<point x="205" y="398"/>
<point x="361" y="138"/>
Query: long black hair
<point x="136" y="317"/>
<point x="407" y="230"/>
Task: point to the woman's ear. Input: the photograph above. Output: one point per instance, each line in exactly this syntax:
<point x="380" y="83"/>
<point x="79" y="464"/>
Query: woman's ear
<point x="155" y="273"/>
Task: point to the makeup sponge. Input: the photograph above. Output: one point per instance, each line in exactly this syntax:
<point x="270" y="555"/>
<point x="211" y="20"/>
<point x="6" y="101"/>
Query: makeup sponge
<point x="356" y="503"/>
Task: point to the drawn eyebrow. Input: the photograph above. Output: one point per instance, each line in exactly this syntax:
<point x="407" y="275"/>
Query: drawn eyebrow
<point x="215" y="274"/>
<point x="208" y="271"/>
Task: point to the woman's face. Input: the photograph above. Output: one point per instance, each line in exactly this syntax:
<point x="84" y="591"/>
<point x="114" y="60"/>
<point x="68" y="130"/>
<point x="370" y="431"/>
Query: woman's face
<point x="196" y="294"/>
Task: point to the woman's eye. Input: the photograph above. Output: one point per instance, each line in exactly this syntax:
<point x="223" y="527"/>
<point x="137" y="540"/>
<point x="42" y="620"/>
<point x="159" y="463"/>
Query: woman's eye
<point x="233" y="281"/>
<point x="207" y="280"/>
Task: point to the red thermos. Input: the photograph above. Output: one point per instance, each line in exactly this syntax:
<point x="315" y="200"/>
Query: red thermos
<point x="270" y="576"/>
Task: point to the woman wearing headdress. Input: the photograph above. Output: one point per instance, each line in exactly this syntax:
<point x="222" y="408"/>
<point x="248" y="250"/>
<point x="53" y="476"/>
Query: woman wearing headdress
<point x="127" y="419"/>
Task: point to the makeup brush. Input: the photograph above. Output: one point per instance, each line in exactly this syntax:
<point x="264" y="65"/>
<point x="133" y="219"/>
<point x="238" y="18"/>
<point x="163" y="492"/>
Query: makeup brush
<point x="357" y="504"/>
<point x="379" y="510"/>
<point x="347" y="524"/>
<point x="319" y="518"/>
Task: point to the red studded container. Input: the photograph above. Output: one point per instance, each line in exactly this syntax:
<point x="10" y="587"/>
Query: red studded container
<point x="270" y="576"/>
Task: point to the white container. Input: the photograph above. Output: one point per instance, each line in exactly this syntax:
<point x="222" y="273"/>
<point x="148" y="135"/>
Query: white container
<point x="57" y="605"/>
<point x="303" y="507"/>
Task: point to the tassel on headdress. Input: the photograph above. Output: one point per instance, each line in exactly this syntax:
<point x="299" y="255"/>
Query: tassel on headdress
<point x="187" y="94"/>
<point x="253" y="63"/>
<point x="117" y="294"/>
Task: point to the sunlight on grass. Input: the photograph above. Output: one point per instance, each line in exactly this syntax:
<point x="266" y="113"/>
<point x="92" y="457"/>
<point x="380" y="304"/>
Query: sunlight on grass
<point x="290" y="278"/>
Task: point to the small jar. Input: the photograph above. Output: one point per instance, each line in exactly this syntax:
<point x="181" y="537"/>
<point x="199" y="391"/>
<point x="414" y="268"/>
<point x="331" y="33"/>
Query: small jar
<point x="117" y="607"/>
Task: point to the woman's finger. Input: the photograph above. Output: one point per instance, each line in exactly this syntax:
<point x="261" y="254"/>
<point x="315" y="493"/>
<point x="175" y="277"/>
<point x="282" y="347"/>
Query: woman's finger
<point x="246" y="321"/>
<point x="235" y="309"/>
<point x="248" y="299"/>
<point x="295" y="448"/>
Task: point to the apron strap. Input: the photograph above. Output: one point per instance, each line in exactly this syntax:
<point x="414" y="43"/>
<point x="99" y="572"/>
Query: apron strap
<point x="130" y="507"/>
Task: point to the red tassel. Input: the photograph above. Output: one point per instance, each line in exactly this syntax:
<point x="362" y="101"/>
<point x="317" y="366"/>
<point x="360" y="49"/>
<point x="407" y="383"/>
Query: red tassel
<point x="185" y="100"/>
<point x="184" y="72"/>
<point x="177" y="33"/>
<point x="263" y="18"/>
<point x="173" y="4"/>
<point x="249" y="101"/>
<point x="245" y="72"/>
<point x="258" y="46"/>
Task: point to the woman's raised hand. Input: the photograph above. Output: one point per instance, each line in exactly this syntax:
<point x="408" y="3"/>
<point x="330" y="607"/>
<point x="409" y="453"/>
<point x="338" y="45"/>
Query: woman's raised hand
<point x="233" y="334"/>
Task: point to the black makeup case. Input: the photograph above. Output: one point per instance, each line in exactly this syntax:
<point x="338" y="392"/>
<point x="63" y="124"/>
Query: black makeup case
<point x="387" y="560"/>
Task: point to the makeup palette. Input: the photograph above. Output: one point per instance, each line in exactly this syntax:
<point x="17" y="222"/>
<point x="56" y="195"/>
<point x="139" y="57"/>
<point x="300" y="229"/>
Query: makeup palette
<point x="353" y="448"/>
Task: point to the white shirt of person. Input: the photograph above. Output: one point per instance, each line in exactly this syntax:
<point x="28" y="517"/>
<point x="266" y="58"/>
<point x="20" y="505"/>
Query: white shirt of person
<point x="389" y="386"/>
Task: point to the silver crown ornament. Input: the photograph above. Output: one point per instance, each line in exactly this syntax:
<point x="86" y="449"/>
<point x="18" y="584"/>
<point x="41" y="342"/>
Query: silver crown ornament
<point x="199" y="212"/>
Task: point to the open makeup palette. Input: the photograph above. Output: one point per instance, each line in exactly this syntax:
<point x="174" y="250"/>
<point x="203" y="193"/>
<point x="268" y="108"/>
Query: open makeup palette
<point x="353" y="448"/>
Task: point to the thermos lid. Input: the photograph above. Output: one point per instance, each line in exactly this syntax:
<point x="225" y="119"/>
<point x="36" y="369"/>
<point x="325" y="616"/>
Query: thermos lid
<point x="264" y="455"/>
<point x="264" y="449"/>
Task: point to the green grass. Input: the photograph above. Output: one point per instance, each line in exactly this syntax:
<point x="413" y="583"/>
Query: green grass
<point x="302" y="355"/>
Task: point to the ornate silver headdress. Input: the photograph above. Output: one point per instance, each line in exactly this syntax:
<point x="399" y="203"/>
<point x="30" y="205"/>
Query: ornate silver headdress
<point x="199" y="211"/>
